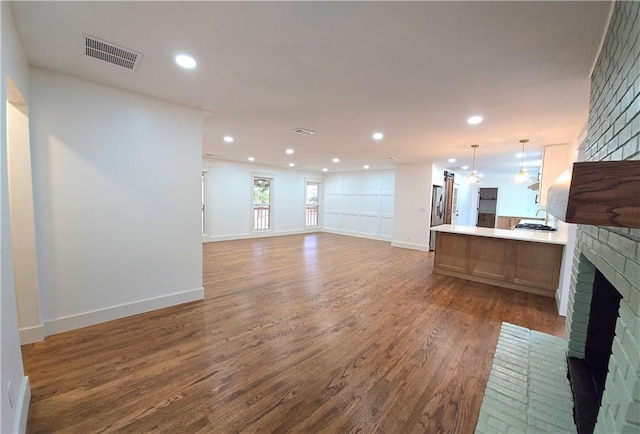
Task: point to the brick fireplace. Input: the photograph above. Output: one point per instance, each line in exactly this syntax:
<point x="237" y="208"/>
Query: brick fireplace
<point x="613" y="133"/>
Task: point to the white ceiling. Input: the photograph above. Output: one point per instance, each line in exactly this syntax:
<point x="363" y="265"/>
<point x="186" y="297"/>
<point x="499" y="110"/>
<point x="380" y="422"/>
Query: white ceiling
<point x="412" y="70"/>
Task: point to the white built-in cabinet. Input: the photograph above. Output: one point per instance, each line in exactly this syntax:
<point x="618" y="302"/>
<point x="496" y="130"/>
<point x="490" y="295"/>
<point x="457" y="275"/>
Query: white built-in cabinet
<point x="555" y="159"/>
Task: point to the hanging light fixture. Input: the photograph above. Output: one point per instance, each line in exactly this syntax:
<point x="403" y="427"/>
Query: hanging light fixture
<point x="473" y="177"/>
<point x="522" y="176"/>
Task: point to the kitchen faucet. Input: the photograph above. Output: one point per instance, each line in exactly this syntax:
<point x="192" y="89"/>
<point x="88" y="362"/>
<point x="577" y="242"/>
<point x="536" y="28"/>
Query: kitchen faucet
<point x="546" y="215"/>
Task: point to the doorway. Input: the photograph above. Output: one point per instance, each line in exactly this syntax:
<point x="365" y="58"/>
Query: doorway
<point x="448" y="196"/>
<point x="487" y="207"/>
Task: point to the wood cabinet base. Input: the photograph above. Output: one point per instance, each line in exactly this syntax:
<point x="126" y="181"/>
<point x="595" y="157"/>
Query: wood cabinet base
<point x="521" y="265"/>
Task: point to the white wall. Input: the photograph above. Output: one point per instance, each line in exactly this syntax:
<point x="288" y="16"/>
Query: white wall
<point x="360" y="204"/>
<point x="14" y="65"/>
<point x="117" y="200"/>
<point x="230" y="199"/>
<point x="412" y="210"/>
<point x="513" y="199"/>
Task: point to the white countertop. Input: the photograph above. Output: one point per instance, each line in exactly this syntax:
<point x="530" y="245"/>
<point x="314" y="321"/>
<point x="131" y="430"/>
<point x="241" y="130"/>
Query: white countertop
<point x="558" y="237"/>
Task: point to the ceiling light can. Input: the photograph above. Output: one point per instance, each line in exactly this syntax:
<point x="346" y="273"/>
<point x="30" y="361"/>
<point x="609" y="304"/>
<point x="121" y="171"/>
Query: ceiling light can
<point x="474" y="120"/>
<point x="185" y="61"/>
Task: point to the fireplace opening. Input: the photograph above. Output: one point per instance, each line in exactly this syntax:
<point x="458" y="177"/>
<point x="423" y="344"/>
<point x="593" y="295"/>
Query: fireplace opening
<point x="588" y="376"/>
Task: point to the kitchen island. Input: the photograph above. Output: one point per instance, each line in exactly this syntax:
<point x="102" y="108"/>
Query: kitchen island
<point x="524" y="260"/>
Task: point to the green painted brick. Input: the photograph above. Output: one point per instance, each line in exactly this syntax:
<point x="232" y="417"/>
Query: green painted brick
<point x="633" y="413"/>
<point x="632" y="270"/>
<point x="634" y="301"/>
<point x="622" y="285"/>
<point x="630" y="429"/>
<point x="635" y="393"/>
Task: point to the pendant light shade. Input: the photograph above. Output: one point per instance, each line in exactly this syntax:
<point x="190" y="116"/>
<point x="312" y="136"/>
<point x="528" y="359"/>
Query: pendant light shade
<point x="473" y="177"/>
<point x="522" y="176"/>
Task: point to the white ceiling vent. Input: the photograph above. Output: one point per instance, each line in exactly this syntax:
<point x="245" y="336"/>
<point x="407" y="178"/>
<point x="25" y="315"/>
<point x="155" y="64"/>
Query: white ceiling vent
<point x="112" y="53"/>
<point x="304" y="131"/>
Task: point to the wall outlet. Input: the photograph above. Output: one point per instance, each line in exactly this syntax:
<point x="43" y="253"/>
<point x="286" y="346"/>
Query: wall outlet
<point x="12" y="397"/>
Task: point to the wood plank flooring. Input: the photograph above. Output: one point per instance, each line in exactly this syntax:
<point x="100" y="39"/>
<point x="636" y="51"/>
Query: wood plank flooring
<point x="303" y="333"/>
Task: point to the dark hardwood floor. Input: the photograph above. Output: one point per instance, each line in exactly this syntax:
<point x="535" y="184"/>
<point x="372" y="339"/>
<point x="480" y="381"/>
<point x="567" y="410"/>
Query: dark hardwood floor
<point x="313" y="333"/>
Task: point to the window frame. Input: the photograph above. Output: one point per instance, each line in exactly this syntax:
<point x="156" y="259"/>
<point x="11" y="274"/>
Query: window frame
<point x="317" y="227"/>
<point x="272" y="178"/>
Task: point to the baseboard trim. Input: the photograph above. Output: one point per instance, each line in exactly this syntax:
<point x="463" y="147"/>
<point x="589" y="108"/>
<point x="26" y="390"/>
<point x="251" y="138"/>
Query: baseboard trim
<point x="357" y="235"/>
<point x="29" y="335"/>
<point x="234" y="237"/>
<point x="421" y="247"/>
<point x="294" y="232"/>
<point x="72" y="322"/>
<point x="24" y="399"/>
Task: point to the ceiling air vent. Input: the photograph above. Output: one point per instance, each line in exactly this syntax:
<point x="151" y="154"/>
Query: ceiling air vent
<point x="304" y="131"/>
<point x="112" y="53"/>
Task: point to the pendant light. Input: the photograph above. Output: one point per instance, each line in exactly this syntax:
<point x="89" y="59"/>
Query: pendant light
<point x="522" y="176"/>
<point x="473" y="177"/>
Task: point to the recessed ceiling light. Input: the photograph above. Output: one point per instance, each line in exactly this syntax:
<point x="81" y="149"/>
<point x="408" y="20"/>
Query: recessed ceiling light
<point x="187" y="62"/>
<point x="324" y="169"/>
<point x="377" y="136"/>
<point x="451" y="160"/>
<point x="366" y="166"/>
<point x="289" y="151"/>
<point x="251" y="159"/>
<point x="474" y="120"/>
<point x="228" y="139"/>
<point x="291" y="165"/>
<point x="465" y="167"/>
<point x="336" y="160"/>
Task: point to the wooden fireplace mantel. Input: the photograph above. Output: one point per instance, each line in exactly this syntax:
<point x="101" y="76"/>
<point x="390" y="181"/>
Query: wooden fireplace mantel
<point x="600" y="193"/>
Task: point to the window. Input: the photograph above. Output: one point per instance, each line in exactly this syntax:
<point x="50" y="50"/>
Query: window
<point x="262" y="203"/>
<point x="311" y="211"/>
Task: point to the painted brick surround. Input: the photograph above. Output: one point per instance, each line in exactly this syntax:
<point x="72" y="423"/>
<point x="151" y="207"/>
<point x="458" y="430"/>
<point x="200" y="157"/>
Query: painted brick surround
<point x="613" y="134"/>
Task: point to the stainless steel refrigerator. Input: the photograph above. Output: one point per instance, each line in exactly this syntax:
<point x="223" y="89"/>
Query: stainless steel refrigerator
<point x="437" y="212"/>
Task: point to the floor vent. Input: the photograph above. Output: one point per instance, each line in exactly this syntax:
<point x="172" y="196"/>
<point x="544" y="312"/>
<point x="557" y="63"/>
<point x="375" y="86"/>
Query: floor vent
<point x="112" y="53"/>
<point x="304" y="131"/>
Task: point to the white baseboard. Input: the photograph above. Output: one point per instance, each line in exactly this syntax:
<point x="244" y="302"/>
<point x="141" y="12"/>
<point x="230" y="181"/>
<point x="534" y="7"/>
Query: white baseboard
<point x="246" y="236"/>
<point x="23" y="401"/>
<point x="29" y="335"/>
<point x="357" y="235"/>
<point x="72" y="322"/>
<point x="421" y="247"/>
<point x="213" y="239"/>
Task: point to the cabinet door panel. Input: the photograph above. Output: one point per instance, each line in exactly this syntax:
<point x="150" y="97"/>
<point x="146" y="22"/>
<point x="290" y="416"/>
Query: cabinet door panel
<point x="452" y="252"/>
<point x="537" y="264"/>
<point x="490" y="258"/>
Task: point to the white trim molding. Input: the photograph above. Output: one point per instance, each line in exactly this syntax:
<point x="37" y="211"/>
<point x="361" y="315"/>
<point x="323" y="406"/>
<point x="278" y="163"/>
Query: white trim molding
<point x="24" y="399"/>
<point x="411" y="246"/>
<point x="72" y="322"/>
<point x="29" y="335"/>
